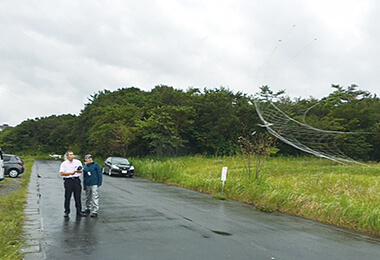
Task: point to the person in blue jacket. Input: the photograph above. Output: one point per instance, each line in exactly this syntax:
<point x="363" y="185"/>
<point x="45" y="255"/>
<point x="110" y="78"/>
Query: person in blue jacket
<point x="92" y="180"/>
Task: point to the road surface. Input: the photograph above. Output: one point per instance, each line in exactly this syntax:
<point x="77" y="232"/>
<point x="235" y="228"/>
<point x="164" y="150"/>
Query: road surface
<point x="140" y="219"/>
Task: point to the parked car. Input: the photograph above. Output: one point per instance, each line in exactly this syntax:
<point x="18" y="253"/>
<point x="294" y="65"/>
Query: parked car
<point x="13" y="165"/>
<point x="1" y="166"/>
<point x="118" y="166"/>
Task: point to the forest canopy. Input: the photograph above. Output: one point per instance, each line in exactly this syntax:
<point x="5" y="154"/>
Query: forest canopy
<point x="172" y="122"/>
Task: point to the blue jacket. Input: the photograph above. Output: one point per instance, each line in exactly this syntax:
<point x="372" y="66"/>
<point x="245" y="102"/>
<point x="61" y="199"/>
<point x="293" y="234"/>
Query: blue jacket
<point x="92" y="175"/>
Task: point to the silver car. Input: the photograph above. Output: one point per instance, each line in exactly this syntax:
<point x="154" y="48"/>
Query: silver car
<point x="13" y="165"/>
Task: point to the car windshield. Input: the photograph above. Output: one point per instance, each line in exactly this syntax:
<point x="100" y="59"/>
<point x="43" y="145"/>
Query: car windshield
<point x="120" y="161"/>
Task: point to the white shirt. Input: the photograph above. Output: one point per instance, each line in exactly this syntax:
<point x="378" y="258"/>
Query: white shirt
<point x="68" y="167"/>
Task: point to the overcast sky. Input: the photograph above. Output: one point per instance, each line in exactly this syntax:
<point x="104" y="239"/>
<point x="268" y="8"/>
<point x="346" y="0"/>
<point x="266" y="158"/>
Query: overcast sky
<point x="55" y="54"/>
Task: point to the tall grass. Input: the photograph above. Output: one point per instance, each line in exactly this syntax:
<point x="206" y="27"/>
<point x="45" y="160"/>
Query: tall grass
<point x="12" y="215"/>
<point x="317" y="189"/>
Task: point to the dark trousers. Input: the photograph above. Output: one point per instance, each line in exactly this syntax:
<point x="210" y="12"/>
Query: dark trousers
<point x="72" y="185"/>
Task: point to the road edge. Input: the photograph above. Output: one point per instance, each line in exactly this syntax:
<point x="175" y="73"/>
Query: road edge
<point x="32" y="248"/>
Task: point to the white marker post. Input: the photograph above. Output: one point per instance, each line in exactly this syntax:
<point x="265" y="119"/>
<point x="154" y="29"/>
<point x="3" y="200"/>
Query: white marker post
<point x="224" y="176"/>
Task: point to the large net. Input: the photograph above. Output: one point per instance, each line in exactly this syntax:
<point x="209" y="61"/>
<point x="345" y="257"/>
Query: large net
<point x="321" y="143"/>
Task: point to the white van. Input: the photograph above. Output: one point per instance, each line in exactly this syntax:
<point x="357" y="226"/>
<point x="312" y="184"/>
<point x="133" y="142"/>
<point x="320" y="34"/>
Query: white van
<point x="1" y="166"/>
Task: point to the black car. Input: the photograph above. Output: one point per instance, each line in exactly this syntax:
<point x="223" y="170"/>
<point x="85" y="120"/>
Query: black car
<point x="118" y="166"/>
<point x="13" y="165"/>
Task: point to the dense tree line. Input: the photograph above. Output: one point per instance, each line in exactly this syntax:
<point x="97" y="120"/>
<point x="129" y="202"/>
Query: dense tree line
<point x="170" y="122"/>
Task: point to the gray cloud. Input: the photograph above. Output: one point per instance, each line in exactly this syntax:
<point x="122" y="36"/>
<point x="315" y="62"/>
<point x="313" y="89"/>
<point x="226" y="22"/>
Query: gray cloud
<point x="55" y="54"/>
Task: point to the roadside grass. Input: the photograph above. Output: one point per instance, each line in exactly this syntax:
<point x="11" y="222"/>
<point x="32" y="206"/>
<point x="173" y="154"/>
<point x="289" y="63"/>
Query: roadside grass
<point x="313" y="188"/>
<point x="12" y="215"/>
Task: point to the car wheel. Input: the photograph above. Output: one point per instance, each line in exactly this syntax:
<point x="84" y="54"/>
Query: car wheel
<point x="110" y="172"/>
<point x="13" y="173"/>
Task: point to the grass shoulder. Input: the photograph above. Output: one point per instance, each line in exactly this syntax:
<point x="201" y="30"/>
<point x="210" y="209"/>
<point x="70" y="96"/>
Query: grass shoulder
<point x="13" y="195"/>
<point x="317" y="189"/>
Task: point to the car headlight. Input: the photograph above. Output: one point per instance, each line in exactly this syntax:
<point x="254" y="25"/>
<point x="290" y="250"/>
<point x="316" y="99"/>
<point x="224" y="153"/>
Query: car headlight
<point x="115" y="167"/>
<point x="132" y="168"/>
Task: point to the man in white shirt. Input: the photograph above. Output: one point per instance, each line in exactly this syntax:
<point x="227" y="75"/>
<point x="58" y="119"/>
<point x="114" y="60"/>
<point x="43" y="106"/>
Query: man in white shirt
<point x="71" y="170"/>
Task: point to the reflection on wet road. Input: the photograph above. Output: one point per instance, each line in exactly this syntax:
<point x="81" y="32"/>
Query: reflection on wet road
<point x="139" y="219"/>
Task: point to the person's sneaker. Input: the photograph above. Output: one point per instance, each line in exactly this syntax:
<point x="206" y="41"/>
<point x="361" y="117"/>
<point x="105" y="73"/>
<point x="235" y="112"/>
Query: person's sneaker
<point x="66" y="215"/>
<point x="87" y="211"/>
<point x="94" y="215"/>
<point x="81" y="214"/>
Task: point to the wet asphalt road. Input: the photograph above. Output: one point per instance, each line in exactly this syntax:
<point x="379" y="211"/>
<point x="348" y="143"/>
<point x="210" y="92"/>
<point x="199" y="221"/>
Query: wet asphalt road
<point x="139" y="219"/>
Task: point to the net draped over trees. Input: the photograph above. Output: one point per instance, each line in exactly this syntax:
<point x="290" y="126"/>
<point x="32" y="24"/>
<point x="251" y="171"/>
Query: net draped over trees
<point x="171" y="122"/>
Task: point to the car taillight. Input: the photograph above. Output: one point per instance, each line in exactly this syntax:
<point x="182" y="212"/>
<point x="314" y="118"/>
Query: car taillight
<point x="19" y="163"/>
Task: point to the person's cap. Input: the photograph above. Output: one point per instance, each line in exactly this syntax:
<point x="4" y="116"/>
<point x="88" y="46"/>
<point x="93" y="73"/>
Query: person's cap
<point x="88" y="156"/>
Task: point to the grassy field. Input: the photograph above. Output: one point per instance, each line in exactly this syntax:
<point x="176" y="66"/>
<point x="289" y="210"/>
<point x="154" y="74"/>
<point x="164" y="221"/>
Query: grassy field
<point x="12" y="203"/>
<point x="317" y="189"/>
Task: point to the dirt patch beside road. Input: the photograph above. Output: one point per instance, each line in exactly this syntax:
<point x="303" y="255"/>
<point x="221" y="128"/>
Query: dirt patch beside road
<point x="9" y="185"/>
